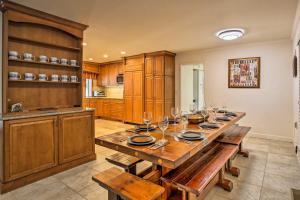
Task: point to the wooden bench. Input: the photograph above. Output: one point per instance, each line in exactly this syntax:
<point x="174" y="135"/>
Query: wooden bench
<point x="127" y="162"/>
<point x="200" y="173"/>
<point x="234" y="135"/>
<point x="123" y="185"/>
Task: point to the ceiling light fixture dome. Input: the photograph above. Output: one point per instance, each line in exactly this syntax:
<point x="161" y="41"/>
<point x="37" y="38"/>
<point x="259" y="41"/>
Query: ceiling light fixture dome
<point x="230" y="34"/>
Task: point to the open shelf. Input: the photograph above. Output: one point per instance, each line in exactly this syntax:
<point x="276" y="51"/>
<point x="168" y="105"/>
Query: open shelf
<point x="36" y="81"/>
<point x="42" y="63"/>
<point x="19" y="39"/>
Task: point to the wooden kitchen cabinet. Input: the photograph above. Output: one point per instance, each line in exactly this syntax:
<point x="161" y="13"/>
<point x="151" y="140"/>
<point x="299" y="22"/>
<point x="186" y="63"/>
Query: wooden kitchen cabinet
<point x="109" y="72"/>
<point x="104" y="73"/>
<point x="134" y="89"/>
<point x="117" y="109"/>
<point x="76" y="136"/>
<point x="30" y="146"/>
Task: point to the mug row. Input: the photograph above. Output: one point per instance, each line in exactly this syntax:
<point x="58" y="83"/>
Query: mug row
<point x="42" y="77"/>
<point x="14" y="55"/>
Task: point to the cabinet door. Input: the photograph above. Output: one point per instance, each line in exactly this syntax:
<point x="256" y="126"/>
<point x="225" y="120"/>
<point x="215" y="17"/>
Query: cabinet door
<point x="85" y="103"/>
<point x="76" y="136"/>
<point x="158" y="91"/>
<point x="128" y="84"/>
<point x="106" y="107"/>
<point x="128" y="108"/>
<point x="104" y="75"/>
<point x="31" y="145"/>
<point x="120" y="68"/>
<point x="99" y="108"/>
<point x="113" y="72"/>
<point x="159" y="66"/>
<point x="149" y="66"/>
<point x="138" y="88"/>
<point x="148" y="88"/>
<point x="158" y="111"/>
<point x="116" y="109"/>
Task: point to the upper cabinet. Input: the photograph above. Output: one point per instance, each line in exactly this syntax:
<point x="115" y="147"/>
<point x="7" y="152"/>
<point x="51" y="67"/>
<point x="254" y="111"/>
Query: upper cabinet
<point x="109" y="72"/>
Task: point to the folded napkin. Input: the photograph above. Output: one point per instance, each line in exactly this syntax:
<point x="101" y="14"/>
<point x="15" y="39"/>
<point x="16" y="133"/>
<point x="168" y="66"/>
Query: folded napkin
<point x="209" y="125"/>
<point x="223" y="118"/>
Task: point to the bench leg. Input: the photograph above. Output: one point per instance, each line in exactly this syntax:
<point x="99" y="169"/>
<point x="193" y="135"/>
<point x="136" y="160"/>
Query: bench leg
<point x="234" y="171"/>
<point x="113" y="196"/>
<point x="131" y="170"/>
<point x="243" y="152"/>
<point x="224" y="183"/>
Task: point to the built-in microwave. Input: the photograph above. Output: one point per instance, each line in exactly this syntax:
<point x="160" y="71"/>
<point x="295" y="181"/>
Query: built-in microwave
<point x="120" y="78"/>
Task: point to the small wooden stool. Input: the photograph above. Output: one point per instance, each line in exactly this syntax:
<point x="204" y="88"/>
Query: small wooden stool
<point x="127" y="162"/>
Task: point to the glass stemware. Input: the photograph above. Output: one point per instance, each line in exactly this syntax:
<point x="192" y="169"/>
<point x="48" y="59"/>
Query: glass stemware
<point x="175" y="113"/>
<point x="204" y="113"/>
<point x="163" y="125"/>
<point x="184" y="122"/>
<point x="215" y="110"/>
<point x="193" y="108"/>
<point x="224" y="109"/>
<point x="147" y="120"/>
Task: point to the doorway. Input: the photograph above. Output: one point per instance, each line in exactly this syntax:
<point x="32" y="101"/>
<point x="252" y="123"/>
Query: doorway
<point x="191" y="86"/>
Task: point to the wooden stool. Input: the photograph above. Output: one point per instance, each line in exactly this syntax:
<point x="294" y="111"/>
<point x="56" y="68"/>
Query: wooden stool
<point x="121" y="184"/>
<point x="127" y="162"/>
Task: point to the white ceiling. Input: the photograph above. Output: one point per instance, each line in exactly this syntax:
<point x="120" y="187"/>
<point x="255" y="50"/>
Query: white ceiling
<point x="138" y="26"/>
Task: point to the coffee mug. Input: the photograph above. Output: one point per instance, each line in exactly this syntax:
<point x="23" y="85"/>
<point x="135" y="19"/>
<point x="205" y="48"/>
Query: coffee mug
<point x="43" y="58"/>
<point x="54" y="77"/>
<point x="13" y="53"/>
<point x="64" y="61"/>
<point x="43" y="77"/>
<point x="74" y="79"/>
<point x="27" y="56"/>
<point x="53" y="59"/>
<point x="29" y="76"/>
<point x="64" y="78"/>
<point x="73" y="62"/>
<point x="14" y="76"/>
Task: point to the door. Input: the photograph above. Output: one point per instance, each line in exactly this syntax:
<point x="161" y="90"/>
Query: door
<point x="79" y="130"/>
<point x="30" y="146"/>
<point x="191" y="86"/>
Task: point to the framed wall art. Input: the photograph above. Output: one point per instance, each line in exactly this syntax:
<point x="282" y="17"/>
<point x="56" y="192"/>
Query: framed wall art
<point x="244" y="72"/>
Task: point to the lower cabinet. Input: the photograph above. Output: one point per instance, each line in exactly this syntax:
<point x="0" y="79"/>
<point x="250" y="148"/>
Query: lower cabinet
<point x="76" y="138"/>
<point x="38" y="144"/>
<point x="106" y="107"/>
<point x="30" y="146"/>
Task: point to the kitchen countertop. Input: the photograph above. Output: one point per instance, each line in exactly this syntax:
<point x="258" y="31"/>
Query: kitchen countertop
<point x="103" y="98"/>
<point x="30" y="114"/>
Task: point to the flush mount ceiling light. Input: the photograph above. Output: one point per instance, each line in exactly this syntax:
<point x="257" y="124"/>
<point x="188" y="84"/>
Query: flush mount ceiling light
<point x="105" y="56"/>
<point x="123" y="52"/>
<point x="84" y="44"/>
<point x="90" y="59"/>
<point x="230" y="34"/>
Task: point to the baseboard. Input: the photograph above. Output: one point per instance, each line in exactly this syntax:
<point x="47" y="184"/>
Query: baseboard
<point x="270" y="137"/>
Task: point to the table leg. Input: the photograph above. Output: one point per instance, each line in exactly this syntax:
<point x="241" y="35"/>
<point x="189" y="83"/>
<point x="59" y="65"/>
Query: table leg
<point x="234" y="171"/>
<point x="224" y="183"/>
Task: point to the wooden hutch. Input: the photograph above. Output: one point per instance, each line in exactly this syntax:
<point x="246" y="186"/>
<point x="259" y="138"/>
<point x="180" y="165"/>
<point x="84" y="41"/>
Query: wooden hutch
<point x="53" y="133"/>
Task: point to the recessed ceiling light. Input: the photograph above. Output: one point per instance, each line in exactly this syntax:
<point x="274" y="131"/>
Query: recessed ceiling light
<point x="84" y="44"/>
<point x="90" y="59"/>
<point x="105" y="56"/>
<point x="123" y="52"/>
<point x="230" y="34"/>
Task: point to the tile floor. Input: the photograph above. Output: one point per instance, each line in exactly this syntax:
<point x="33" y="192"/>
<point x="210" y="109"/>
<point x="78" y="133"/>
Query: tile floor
<point x="268" y="174"/>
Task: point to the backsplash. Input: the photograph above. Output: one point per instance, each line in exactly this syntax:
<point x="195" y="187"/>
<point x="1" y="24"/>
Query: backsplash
<point x="114" y="91"/>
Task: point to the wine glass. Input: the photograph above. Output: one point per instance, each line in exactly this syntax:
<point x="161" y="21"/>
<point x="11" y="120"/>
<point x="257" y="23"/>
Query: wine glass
<point x="163" y="125"/>
<point x="175" y="113"/>
<point x="193" y="108"/>
<point x="147" y="120"/>
<point x="204" y="113"/>
<point x="184" y="122"/>
<point x="224" y="108"/>
<point x="215" y="110"/>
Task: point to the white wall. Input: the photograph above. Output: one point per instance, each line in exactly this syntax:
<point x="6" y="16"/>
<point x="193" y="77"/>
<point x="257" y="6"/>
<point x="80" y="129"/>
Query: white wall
<point x="296" y="38"/>
<point x="269" y="109"/>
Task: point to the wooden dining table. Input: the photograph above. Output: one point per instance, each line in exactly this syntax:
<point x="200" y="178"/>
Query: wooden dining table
<point x="171" y="155"/>
<point x="174" y="153"/>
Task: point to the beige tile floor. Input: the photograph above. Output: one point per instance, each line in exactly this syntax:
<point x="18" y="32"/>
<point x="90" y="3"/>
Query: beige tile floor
<point x="268" y="174"/>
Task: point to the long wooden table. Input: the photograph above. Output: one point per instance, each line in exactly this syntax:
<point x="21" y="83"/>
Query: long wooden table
<point x="170" y="156"/>
<point x="174" y="153"/>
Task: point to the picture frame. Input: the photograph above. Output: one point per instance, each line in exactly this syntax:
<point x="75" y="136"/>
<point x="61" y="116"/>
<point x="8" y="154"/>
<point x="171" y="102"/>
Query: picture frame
<point x="244" y="72"/>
